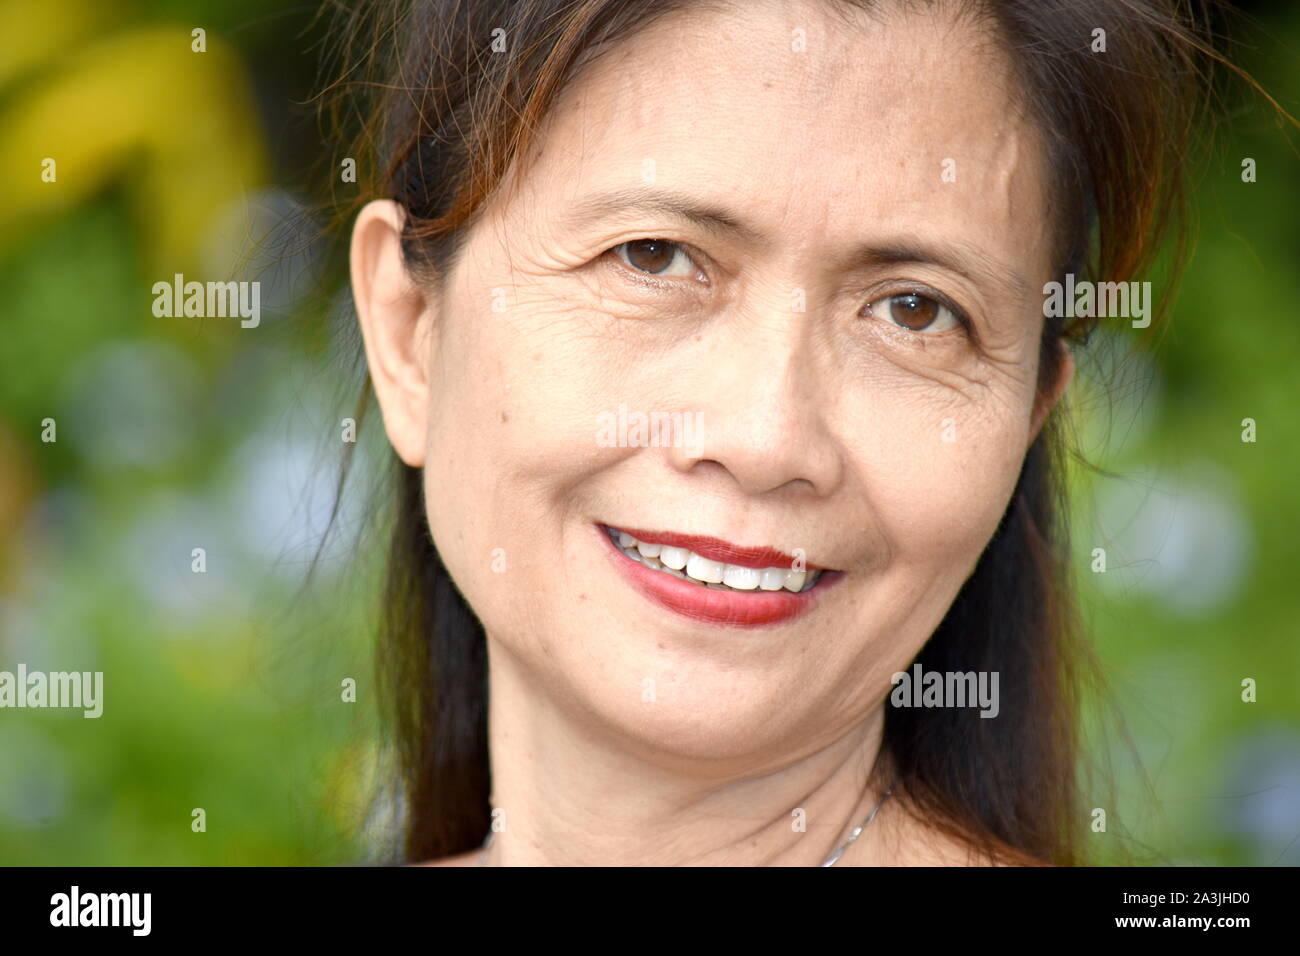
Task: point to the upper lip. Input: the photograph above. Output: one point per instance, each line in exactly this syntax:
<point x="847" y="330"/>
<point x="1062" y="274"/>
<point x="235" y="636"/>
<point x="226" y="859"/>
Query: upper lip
<point x="715" y="549"/>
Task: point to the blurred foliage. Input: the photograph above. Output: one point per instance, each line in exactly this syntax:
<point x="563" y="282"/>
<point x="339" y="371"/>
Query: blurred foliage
<point x="1200" y="526"/>
<point x="222" y="690"/>
<point x="233" y="700"/>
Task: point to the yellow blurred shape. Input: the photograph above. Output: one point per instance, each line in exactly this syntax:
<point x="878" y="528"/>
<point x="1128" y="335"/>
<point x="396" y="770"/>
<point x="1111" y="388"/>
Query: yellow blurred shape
<point x="33" y="32"/>
<point x="178" y="128"/>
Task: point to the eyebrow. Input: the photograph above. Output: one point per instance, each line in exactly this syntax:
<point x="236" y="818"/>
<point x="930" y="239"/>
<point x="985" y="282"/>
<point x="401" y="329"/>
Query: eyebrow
<point x="958" y="256"/>
<point x="961" y="257"/>
<point x="641" y="199"/>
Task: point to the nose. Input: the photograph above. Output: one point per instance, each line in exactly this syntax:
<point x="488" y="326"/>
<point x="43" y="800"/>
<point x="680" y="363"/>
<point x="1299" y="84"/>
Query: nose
<point x="756" y="387"/>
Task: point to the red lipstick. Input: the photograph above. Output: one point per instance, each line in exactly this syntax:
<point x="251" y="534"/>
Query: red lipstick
<point x="745" y="609"/>
<point x="716" y="549"/>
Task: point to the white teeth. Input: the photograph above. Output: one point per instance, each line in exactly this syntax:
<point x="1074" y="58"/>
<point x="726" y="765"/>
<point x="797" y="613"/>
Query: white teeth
<point x="702" y="569"/>
<point x="742" y="579"/>
<point x="714" y="574"/>
<point x="674" y="558"/>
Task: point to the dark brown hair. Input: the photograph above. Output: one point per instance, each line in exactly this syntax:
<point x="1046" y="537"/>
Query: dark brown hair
<point x="441" y="119"/>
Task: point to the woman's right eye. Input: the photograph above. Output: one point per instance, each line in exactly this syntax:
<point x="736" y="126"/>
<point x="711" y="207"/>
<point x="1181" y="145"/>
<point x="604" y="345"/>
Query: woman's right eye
<point x="657" y="257"/>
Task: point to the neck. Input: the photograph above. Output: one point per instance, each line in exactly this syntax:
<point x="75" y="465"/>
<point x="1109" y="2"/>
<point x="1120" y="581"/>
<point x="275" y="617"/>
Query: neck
<point x="571" y="793"/>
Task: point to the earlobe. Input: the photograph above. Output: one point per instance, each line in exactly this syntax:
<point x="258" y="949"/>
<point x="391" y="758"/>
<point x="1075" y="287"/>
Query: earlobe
<point x="1048" y="401"/>
<point x="392" y="311"/>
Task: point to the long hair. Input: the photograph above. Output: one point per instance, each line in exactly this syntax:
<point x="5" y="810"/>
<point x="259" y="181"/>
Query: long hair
<point x="441" y="110"/>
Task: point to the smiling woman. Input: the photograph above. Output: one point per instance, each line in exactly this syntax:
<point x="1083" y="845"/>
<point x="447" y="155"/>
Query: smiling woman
<point x="820" y="227"/>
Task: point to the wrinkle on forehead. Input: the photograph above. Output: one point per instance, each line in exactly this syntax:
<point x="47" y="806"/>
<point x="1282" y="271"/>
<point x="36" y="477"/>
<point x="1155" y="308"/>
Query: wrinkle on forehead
<point x="714" y="104"/>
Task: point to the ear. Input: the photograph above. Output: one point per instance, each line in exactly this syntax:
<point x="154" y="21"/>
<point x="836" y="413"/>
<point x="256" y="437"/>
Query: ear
<point x="1049" y="399"/>
<point x="392" y="310"/>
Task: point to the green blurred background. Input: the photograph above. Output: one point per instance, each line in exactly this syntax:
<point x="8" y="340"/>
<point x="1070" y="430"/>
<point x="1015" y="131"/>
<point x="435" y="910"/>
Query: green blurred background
<point x="224" y="690"/>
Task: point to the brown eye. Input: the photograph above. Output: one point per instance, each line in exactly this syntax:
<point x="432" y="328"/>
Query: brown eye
<point x="915" y="312"/>
<point x="658" y="257"/>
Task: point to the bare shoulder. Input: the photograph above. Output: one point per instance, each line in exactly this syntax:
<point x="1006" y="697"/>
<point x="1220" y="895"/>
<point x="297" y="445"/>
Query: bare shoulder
<point x="929" y="845"/>
<point x="947" y="850"/>
<point x="464" y="859"/>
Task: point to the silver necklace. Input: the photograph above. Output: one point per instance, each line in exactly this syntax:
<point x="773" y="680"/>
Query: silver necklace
<point x="857" y="831"/>
<point x="830" y="860"/>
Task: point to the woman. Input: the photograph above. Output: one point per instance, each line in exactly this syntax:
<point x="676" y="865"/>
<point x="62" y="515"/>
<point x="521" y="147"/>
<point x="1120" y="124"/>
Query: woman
<point x="711" y="340"/>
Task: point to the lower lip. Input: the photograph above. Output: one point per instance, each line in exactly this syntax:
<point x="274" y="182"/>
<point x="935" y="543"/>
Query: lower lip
<point x="710" y="606"/>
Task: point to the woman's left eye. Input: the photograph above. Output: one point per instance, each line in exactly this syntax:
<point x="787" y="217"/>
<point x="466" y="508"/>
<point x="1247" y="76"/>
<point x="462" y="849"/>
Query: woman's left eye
<point x="657" y="257"/>
<point x="916" y="312"/>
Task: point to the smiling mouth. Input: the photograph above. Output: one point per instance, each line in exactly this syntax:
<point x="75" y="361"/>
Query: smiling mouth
<point x="696" y="568"/>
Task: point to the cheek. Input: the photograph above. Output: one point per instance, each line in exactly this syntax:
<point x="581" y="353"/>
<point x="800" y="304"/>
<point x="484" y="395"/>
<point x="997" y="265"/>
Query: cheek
<point x="938" y="468"/>
<point x="513" y="432"/>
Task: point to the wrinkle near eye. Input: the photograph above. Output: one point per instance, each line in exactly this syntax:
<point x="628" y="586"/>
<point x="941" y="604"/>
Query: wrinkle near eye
<point x="939" y="387"/>
<point x="950" y="365"/>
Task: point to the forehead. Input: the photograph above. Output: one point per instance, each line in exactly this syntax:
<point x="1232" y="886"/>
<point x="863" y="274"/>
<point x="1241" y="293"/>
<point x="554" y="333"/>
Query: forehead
<point x="813" y="120"/>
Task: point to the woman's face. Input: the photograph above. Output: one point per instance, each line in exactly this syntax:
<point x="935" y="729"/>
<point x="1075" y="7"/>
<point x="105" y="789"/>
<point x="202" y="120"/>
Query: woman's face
<point x="833" y="203"/>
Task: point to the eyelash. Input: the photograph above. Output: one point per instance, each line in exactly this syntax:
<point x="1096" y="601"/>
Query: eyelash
<point x="649" y="278"/>
<point x="912" y="288"/>
<point x="637" y="275"/>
